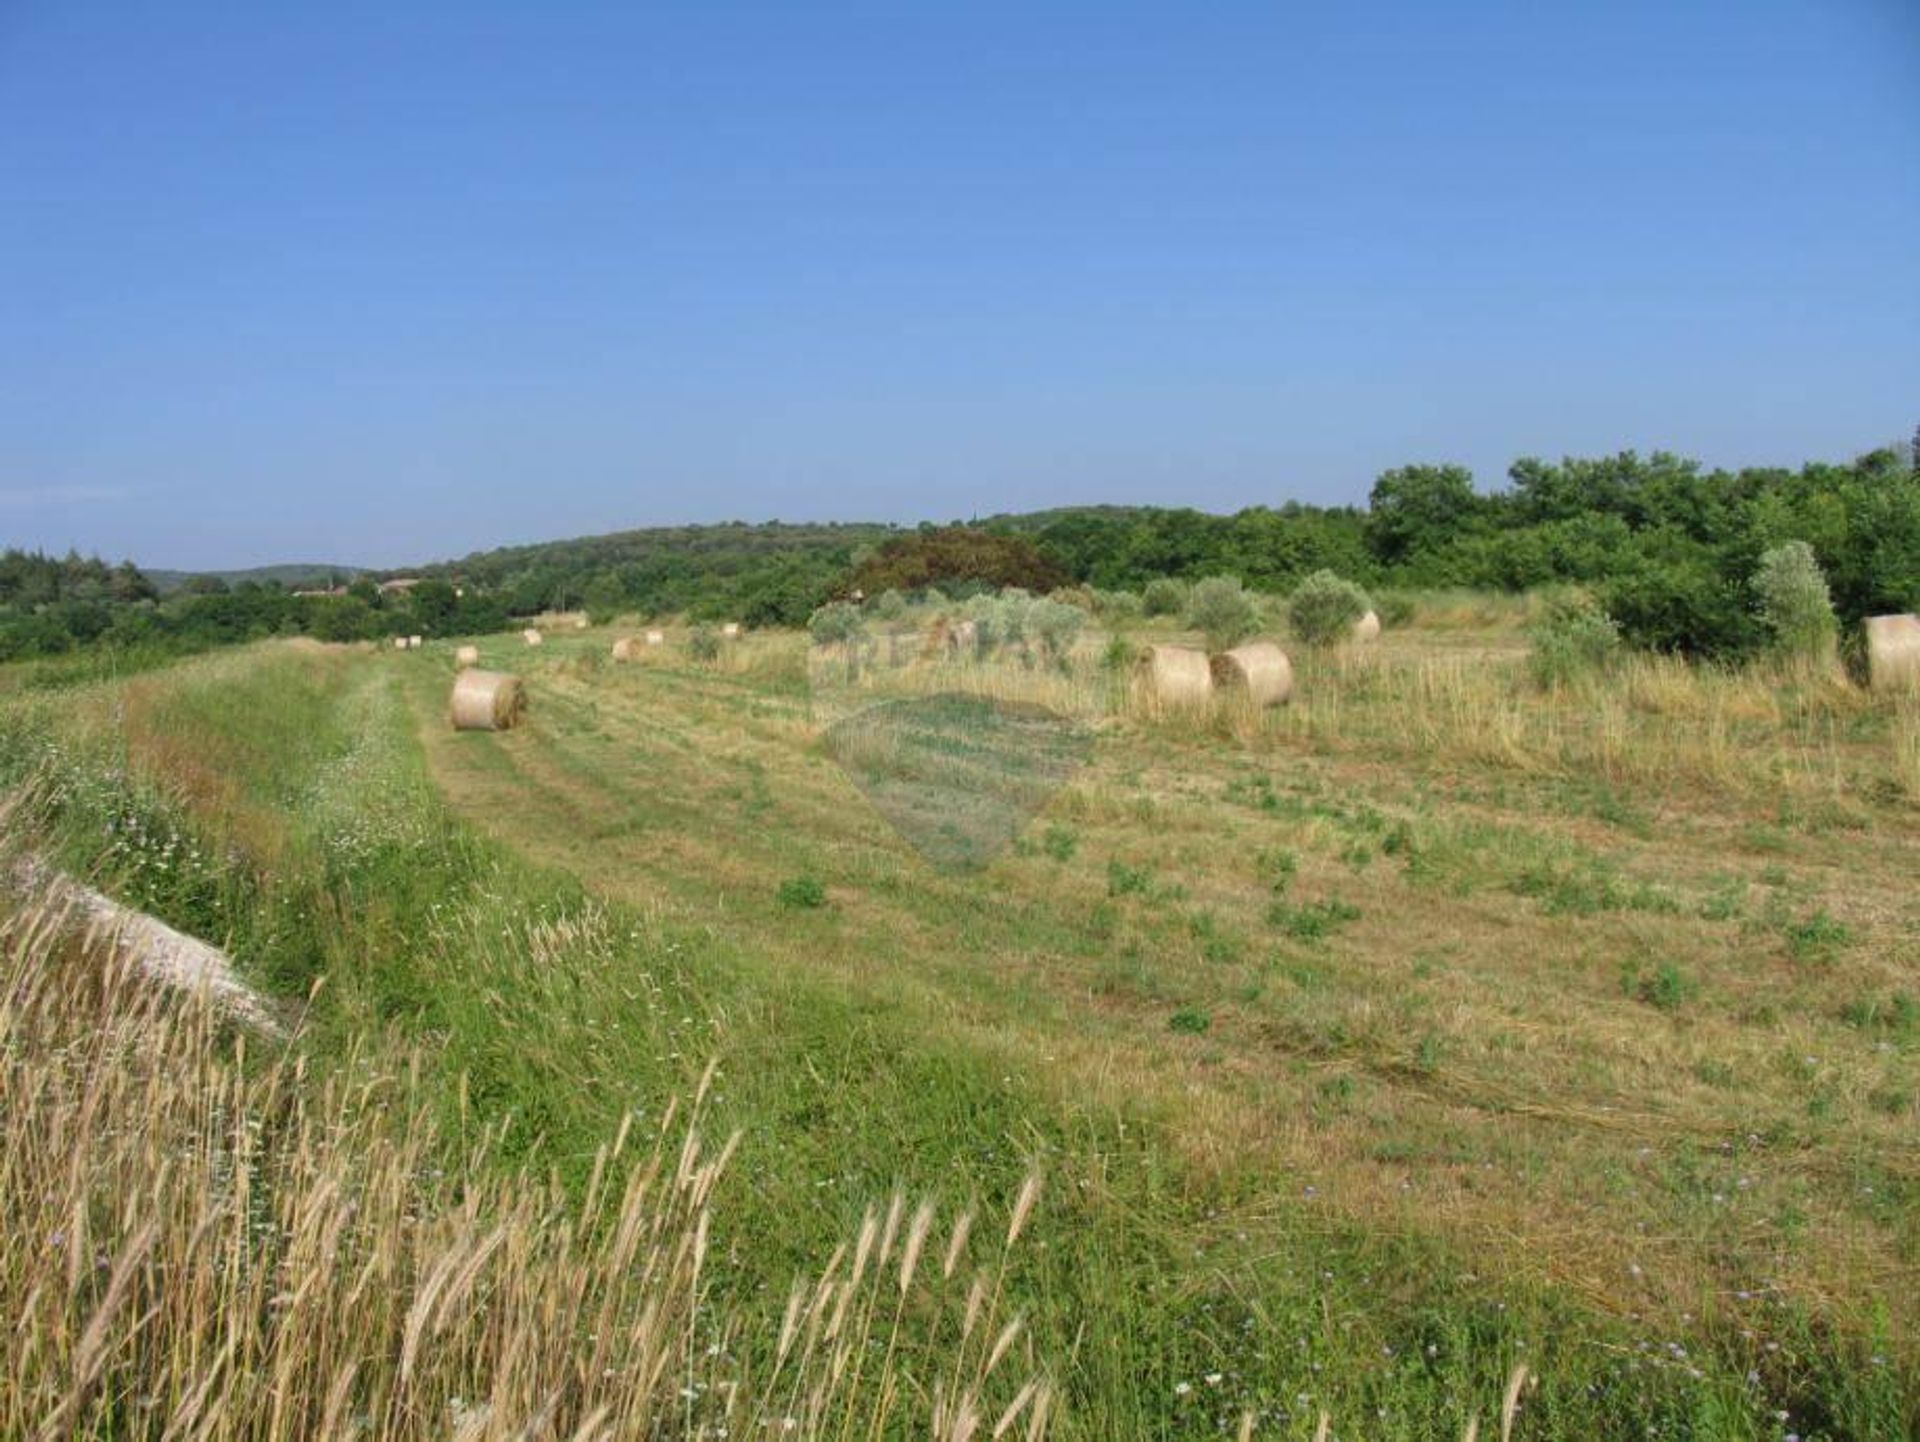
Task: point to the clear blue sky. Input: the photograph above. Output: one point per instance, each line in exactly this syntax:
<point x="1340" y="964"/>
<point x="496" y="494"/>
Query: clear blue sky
<point x="382" y="282"/>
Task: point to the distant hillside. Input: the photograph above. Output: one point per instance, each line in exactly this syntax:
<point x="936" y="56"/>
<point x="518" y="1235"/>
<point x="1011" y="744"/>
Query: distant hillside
<point x="770" y="573"/>
<point x="291" y="574"/>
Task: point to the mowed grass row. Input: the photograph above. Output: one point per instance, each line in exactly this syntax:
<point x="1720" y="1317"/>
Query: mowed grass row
<point x="1293" y="1161"/>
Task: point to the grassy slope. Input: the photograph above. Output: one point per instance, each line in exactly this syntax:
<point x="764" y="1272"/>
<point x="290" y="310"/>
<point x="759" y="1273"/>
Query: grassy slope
<point x="1442" y="1124"/>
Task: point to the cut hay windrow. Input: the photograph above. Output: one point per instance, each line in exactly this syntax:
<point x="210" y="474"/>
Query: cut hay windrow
<point x="487" y="701"/>
<point x="466" y="656"/>
<point x="1893" y="652"/>
<point x="1259" y="670"/>
<point x="1174" y="676"/>
<point x="1367" y="628"/>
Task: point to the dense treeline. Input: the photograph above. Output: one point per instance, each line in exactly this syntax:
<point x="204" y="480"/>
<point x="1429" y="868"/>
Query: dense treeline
<point x="1669" y="549"/>
<point x="126" y="614"/>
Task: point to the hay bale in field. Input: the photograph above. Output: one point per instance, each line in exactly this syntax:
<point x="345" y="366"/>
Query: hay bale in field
<point x="656" y="638"/>
<point x="466" y="656"/>
<point x="623" y="649"/>
<point x="1175" y="676"/>
<point x="1260" y="669"/>
<point x="580" y="623"/>
<point x="413" y="643"/>
<point x="531" y="636"/>
<point x="963" y="638"/>
<point x="731" y="629"/>
<point x="487" y="701"/>
<point x="1367" y="628"/>
<point x="1893" y="652"/>
<point x="399" y="643"/>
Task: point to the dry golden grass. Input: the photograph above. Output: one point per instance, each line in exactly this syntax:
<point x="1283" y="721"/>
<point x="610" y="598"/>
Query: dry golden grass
<point x="203" y="1243"/>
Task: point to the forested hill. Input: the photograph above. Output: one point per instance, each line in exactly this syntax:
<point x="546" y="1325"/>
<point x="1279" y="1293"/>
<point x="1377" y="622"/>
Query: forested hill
<point x="767" y="573"/>
<point x="292" y="574"/>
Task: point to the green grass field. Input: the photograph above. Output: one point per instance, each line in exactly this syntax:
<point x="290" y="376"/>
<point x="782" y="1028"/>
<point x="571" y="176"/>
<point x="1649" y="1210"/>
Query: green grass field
<point x="1428" y="1027"/>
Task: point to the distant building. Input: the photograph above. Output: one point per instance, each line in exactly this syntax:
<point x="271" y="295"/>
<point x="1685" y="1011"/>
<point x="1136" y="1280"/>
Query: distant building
<point x="398" y="583"/>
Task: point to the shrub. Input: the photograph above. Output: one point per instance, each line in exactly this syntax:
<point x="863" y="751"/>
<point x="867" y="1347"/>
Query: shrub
<point x="1001" y="621"/>
<point x="1081" y="596"/>
<point x="1572" y="638"/>
<point x="1163" y="596"/>
<point x="1220" y="607"/>
<point x="1795" y="605"/>
<point x="836" y="623"/>
<point x="889" y="605"/>
<point x="703" y="643"/>
<point x="1189" y="1020"/>
<point x="1395" y="610"/>
<point x="1682" y="606"/>
<point x="1119" y="654"/>
<point x="1324" y="607"/>
<point x="802" y="893"/>
<point x="1056" y="624"/>
<point x="1117" y="608"/>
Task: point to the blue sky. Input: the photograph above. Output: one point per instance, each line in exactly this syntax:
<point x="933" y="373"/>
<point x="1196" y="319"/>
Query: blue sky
<point x="378" y="283"/>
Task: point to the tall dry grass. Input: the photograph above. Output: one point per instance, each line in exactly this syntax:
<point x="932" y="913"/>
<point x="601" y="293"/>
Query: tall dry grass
<point x="1653" y="720"/>
<point x="206" y="1241"/>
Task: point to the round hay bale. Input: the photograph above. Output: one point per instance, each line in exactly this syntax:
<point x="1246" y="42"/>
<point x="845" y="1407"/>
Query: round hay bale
<point x="732" y="628"/>
<point x="1893" y="652"/>
<point x="531" y="636"/>
<point x="1260" y="669"/>
<point x="1175" y="676"/>
<point x="1367" y="628"/>
<point x="656" y="638"/>
<point x="487" y="701"/>
<point x="466" y="656"/>
<point x="623" y="649"/>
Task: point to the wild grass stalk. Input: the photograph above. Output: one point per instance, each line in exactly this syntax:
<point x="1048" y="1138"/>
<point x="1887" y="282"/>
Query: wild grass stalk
<point x="203" y="1242"/>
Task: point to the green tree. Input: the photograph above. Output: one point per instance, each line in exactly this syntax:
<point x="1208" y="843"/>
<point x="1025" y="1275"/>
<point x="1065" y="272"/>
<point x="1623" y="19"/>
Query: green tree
<point x="1417" y="509"/>
<point x="1163" y="596"/>
<point x="951" y="554"/>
